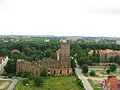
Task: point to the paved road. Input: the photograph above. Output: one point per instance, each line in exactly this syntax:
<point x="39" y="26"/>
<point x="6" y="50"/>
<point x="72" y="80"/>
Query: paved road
<point x="85" y="82"/>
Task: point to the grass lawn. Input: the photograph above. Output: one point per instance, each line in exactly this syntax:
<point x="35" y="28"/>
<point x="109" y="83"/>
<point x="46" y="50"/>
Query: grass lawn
<point x="53" y="83"/>
<point x="102" y="73"/>
<point x="96" y="85"/>
<point x="4" y="84"/>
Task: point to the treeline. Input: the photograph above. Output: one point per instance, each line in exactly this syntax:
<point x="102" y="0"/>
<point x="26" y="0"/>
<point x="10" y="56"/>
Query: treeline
<point x="37" y="49"/>
<point x="29" y="50"/>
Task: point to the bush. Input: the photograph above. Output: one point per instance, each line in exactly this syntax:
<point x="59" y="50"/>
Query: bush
<point x="85" y="69"/>
<point x="73" y="64"/>
<point x="43" y="72"/>
<point x="10" y="75"/>
<point x="38" y="81"/>
<point x="108" y="71"/>
<point x="27" y="75"/>
<point x="80" y="83"/>
<point x="92" y="73"/>
<point x="113" y="67"/>
<point x="26" y="81"/>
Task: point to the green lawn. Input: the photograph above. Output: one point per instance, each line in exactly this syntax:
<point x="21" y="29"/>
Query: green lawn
<point x="53" y="83"/>
<point x="96" y="85"/>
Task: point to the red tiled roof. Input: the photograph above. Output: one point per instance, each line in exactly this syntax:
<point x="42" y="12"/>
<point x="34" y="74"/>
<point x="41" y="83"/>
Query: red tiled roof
<point x="2" y="59"/>
<point x="117" y="52"/>
<point x="112" y="82"/>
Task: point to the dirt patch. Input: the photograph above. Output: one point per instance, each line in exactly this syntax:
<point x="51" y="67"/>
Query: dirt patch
<point x="4" y="85"/>
<point x="96" y="79"/>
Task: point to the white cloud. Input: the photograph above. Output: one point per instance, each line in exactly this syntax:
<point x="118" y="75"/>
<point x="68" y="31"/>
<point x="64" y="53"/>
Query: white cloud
<point x="60" y="17"/>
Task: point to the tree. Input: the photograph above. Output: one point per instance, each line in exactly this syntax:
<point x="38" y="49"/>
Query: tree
<point x="80" y="83"/>
<point x="108" y="71"/>
<point x="113" y="67"/>
<point x="43" y="72"/>
<point x="26" y="81"/>
<point x="73" y="64"/>
<point x="26" y="74"/>
<point x="10" y="67"/>
<point x="4" y="52"/>
<point x="92" y="73"/>
<point x="94" y="52"/>
<point x="38" y="81"/>
<point x="85" y="69"/>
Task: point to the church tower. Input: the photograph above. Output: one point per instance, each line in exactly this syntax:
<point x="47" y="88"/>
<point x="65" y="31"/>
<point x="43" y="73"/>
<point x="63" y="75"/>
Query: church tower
<point x="64" y="53"/>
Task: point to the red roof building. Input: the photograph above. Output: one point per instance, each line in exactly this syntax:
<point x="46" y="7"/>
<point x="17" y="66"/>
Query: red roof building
<point x="112" y="83"/>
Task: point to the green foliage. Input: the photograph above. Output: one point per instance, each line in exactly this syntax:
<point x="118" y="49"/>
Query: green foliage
<point x="10" y="67"/>
<point x="108" y="71"/>
<point x="80" y="84"/>
<point x="92" y="73"/>
<point x="26" y="81"/>
<point x="28" y="75"/>
<point x="38" y="81"/>
<point x="113" y="67"/>
<point x="73" y="64"/>
<point x="85" y="69"/>
<point x="53" y="83"/>
<point x="30" y="49"/>
<point x="43" y="72"/>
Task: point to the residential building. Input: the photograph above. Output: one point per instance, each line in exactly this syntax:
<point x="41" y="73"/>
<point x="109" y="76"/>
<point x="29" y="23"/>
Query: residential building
<point x="111" y="83"/>
<point x="61" y="66"/>
<point x="105" y="55"/>
<point x="3" y="62"/>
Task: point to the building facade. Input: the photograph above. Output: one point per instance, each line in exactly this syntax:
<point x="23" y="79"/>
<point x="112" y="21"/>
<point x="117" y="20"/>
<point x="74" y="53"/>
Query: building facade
<point x="3" y="62"/>
<point x="61" y="66"/>
<point x="111" y="83"/>
<point x="105" y="55"/>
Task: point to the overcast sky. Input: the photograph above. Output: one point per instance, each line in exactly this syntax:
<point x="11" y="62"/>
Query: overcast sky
<point x="60" y="17"/>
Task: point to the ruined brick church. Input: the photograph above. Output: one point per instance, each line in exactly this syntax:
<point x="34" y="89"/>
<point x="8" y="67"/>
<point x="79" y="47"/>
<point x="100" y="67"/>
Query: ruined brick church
<point x="61" y="66"/>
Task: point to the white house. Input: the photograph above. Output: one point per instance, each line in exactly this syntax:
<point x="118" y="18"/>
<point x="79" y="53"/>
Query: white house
<point x="3" y="62"/>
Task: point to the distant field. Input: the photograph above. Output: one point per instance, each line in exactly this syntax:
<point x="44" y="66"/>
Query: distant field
<point x="53" y="83"/>
<point x="4" y="84"/>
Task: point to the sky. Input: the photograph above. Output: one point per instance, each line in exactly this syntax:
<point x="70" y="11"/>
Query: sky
<point x="60" y="17"/>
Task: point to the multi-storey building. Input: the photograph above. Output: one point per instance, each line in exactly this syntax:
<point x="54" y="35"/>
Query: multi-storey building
<point x="105" y="55"/>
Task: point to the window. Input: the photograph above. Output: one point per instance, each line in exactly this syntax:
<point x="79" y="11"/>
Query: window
<point x="60" y="71"/>
<point x="54" y="71"/>
<point x="118" y="85"/>
<point x="48" y="72"/>
<point x="36" y="72"/>
<point x="67" y="71"/>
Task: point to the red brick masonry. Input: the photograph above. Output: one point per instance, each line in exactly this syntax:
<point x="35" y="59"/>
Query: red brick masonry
<point x="61" y="66"/>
